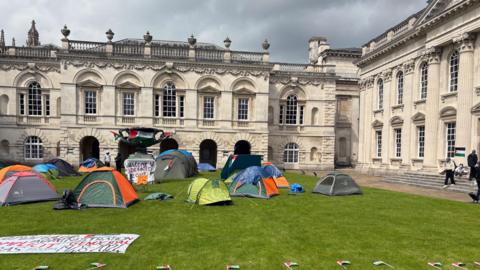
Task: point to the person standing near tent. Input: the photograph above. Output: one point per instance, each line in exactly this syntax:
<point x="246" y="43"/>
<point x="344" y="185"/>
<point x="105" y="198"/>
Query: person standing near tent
<point x="472" y="162"/>
<point x="118" y="162"/>
<point x="474" y="196"/>
<point x="107" y="158"/>
<point x="449" y="168"/>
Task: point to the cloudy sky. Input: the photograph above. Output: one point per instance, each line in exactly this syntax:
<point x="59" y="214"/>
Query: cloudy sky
<point x="288" y="24"/>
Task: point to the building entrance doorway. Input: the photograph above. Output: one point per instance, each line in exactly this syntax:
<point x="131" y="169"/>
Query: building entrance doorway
<point x="168" y="144"/>
<point x="208" y="152"/>
<point x="242" y="147"/>
<point x="89" y="148"/>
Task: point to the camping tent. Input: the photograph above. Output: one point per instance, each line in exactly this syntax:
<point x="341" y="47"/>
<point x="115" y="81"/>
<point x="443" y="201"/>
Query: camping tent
<point x="203" y="192"/>
<point x="272" y="171"/>
<point x="10" y="170"/>
<point x="336" y="184"/>
<point x="90" y="165"/>
<point x="26" y="187"/>
<point x="240" y="162"/>
<point x="105" y="187"/>
<point x="206" y="167"/>
<point x="49" y="170"/>
<point x="252" y="182"/>
<point x="64" y="168"/>
<point x="175" y="165"/>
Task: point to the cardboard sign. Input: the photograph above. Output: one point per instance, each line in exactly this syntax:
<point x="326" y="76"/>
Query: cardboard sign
<point x="140" y="171"/>
<point x="66" y="243"/>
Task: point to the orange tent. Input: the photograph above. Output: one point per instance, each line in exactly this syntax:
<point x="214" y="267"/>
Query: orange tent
<point x="8" y="171"/>
<point x="272" y="171"/>
<point x="105" y="187"/>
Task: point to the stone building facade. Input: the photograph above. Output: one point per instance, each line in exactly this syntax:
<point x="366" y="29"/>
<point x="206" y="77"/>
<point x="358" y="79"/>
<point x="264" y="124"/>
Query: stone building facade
<point x="65" y="101"/>
<point x="420" y="89"/>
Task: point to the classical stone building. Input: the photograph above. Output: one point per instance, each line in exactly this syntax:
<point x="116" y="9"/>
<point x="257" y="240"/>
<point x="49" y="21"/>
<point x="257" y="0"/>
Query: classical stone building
<point x="65" y="101"/>
<point x="420" y="89"/>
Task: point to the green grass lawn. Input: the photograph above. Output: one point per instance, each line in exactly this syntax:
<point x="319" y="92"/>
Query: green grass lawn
<point x="313" y="230"/>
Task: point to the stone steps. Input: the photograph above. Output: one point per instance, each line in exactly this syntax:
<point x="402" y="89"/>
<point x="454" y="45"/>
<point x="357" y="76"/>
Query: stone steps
<point x="432" y="181"/>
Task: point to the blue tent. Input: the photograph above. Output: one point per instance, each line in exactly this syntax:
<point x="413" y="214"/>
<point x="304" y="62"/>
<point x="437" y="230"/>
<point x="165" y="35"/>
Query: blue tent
<point x="250" y="175"/>
<point x="205" y="167"/>
<point x="239" y="162"/>
<point x="92" y="162"/>
<point x="44" y="168"/>
<point x="185" y="152"/>
<point x="272" y="170"/>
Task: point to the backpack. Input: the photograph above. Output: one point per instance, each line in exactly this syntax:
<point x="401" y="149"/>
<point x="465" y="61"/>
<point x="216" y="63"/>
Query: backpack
<point x="68" y="201"/>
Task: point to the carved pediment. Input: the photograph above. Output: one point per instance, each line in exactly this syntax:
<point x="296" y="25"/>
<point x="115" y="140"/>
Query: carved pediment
<point x="128" y="85"/>
<point x="448" y="112"/>
<point x="89" y="83"/>
<point x="244" y="91"/>
<point x="209" y="90"/>
<point x="377" y="124"/>
<point x="396" y="121"/>
<point x="418" y="117"/>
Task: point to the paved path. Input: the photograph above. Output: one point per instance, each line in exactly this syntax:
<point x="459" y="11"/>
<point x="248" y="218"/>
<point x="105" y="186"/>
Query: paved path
<point x="376" y="182"/>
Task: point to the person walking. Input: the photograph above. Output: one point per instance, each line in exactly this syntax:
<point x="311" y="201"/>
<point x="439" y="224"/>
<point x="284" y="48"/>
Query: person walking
<point x="476" y="197"/>
<point x="449" y="168"/>
<point x="107" y="158"/>
<point x="472" y="163"/>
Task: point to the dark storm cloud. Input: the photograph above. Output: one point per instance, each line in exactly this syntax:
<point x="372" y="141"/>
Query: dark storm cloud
<point x="288" y="24"/>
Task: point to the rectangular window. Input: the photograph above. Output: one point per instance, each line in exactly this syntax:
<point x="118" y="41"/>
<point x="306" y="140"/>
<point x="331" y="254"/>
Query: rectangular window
<point x="90" y="102"/>
<point x="450" y="139"/>
<point x="421" y="141"/>
<point x="34" y="102"/>
<point x="47" y="105"/>
<point x="22" y="104"/>
<point x="128" y="104"/>
<point x="301" y="115"/>
<point x="281" y="114"/>
<point x="181" y="106"/>
<point x="378" y="138"/>
<point x="157" y="105"/>
<point x="243" y="109"/>
<point x="400" y="90"/>
<point x="398" y="142"/>
<point x="208" y="107"/>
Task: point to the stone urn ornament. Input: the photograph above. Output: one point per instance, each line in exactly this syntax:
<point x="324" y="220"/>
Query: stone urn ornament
<point x="147" y="37"/>
<point x="110" y="35"/>
<point x="65" y="31"/>
<point x="265" y="45"/>
<point x="192" y="40"/>
<point x="227" y="43"/>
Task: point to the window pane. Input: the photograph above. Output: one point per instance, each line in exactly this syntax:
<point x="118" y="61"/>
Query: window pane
<point x="450" y="139"/>
<point x="292" y="107"/>
<point x="128" y="104"/>
<point x="378" y="135"/>
<point x="34" y="99"/>
<point x="181" y="105"/>
<point x="243" y="109"/>
<point x="157" y="105"/>
<point x="454" y="72"/>
<point x="169" y="100"/>
<point x="22" y="104"/>
<point x="90" y="102"/>
<point x="423" y="80"/>
<point x="290" y="154"/>
<point x="398" y="142"/>
<point x="208" y="107"/>
<point x="33" y="148"/>
<point x="47" y="104"/>
<point x="301" y="115"/>
<point x="380" y="94"/>
<point x="421" y="141"/>
<point x="281" y="114"/>
<point x="400" y="88"/>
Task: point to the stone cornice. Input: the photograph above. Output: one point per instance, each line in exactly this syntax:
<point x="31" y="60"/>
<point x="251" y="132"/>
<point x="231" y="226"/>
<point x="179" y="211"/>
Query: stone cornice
<point x="298" y="80"/>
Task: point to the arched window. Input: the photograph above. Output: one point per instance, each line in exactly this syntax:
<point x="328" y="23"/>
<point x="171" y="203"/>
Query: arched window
<point x="380" y="94"/>
<point x="169" y="100"/>
<point x="454" y="59"/>
<point x="400" y="87"/>
<point x="34" y="99"/>
<point x="290" y="153"/>
<point x="33" y="148"/>
<point x="423" y="80"/>
<point x="292" y="108"/>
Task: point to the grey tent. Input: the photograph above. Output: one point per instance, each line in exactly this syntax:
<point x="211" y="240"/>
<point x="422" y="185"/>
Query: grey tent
<point x="337" y="184"/>
<point x="26" y="187"/>
<point x="64" y="168"/>
<point x="175" y="165"/>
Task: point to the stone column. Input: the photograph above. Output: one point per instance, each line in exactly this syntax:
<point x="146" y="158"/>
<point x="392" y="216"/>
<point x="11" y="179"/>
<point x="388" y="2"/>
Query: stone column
<point x="408" y="90"/>
<point x="387" y="133"/>
<point x="465" y="94"/>
<point x="432" y="103"/>
<point x="362" y="126"/>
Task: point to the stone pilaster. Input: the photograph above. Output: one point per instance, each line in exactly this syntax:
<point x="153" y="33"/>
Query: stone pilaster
<point x="465" y="94"/>
<point x="387" y="143"/>
<point x="362" y="125"/>
<point x="432" y="104"/>
<point x="408" y="90"/>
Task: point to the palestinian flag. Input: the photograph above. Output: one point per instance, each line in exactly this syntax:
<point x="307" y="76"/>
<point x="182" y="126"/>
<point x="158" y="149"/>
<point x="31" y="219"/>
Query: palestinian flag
<point x="460" y="151"/>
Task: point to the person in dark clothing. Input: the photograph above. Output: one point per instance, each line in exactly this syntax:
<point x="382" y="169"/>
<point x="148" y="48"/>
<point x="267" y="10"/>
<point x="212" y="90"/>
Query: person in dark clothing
<point x="476" y="197"/>
<point x="472" y="162"/>
<point x="118" y="162"/>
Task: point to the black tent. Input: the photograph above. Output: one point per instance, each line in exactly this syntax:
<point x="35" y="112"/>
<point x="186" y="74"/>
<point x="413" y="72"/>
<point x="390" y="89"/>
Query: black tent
<point x="64" y="168"/>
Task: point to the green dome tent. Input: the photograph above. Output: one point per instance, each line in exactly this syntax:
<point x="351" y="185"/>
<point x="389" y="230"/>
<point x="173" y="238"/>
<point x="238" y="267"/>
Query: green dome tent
<point x="207" y="192"/>
<point x="337" y="184"/>
<point x="175" y="164"/>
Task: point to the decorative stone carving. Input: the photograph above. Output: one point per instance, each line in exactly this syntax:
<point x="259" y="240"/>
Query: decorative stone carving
<point x="65" y="31"/>
<point x="38" y="66"/>
<point x="465" y="42"/>
<point x="298" y="81"/>
<point x="227" y="42"/>
<point x="434" y="55"/>
<point x="387" y="75"/>
<point x="192" y="40"/>
<point x="110" y="35"/>
<point x="265" y="45"/>
<point x="148" y="38"/>
<point x="409" y="67"/>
